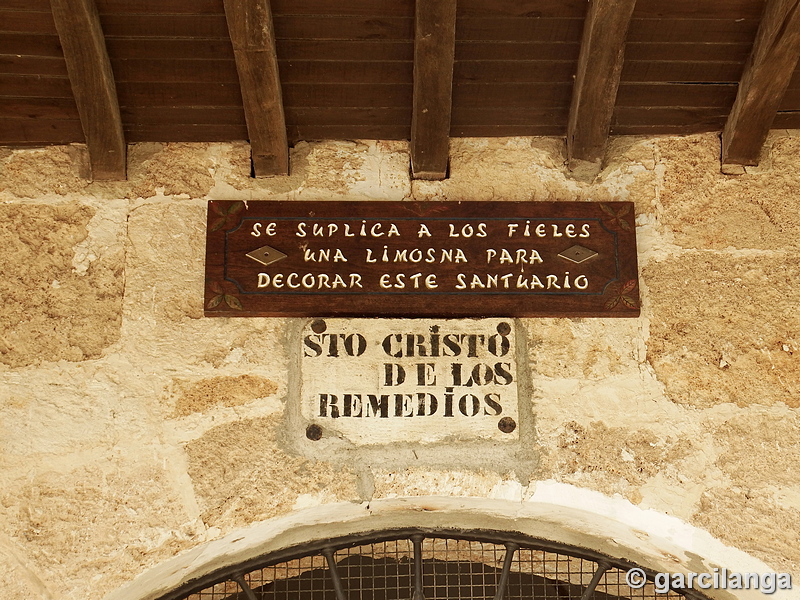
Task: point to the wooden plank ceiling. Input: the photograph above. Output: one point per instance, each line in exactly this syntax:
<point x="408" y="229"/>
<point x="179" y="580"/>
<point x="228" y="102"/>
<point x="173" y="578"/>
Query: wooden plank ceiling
<point x="370" y="69"/>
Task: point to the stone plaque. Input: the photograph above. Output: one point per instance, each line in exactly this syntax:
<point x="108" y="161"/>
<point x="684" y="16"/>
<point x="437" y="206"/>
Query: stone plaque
<point x="421" y="259"/>
<point x="380" y="381"/>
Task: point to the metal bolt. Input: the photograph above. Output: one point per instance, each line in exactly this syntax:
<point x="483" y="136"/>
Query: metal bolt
<point x="314" y="432"/>
<point x="319" y="326"/>
<point x="507" y="424"/>
<point x="503" y="328"/>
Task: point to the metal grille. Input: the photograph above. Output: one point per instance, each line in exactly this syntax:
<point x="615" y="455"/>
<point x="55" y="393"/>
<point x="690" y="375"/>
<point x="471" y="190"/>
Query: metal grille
<point x="380" y="570"/>
<point x="427" y="565"/>
<point x="613" y="584"/>
<point x="227" y="590"/>
<point x="551" y="576"/>
<point x="307" y="575"/>
<point x="460" y="569"/>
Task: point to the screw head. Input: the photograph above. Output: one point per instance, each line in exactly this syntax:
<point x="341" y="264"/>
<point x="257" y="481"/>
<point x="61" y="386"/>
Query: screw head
<point x="314" y="432"/>
<point x="507" y="425"/>
<point x="319" y="326"/>
<point x="503" y="328"/>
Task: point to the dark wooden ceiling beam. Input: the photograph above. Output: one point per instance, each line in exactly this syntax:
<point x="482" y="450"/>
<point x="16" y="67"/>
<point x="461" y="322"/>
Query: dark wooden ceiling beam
<point x="92" y="81"/>
<point x="766" y="76"/>
<point x="434" y="51"/>
<point x="251" y="30"/>
<point x="597" y="80"/>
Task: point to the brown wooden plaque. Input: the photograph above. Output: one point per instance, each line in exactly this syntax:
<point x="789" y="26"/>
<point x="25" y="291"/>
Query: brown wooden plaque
<point x="421" y="259"/>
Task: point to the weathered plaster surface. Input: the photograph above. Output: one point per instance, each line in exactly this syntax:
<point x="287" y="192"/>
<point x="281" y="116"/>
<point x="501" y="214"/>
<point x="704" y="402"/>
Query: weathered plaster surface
<point x="133" y="429"/>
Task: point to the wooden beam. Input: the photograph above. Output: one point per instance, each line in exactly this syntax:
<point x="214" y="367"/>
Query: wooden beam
<point x="78" y="26"/>
<point x="597" y="80"/>
<point x="251" y="30"/>
<point x="434" y="51"/>
<point x="766" y="76"/>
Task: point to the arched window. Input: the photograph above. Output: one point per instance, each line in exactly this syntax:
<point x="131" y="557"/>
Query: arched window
<point x="428" y="565"/>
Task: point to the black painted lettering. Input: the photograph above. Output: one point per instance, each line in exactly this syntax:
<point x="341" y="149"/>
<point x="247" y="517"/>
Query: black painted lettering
<point x="492" y="402"/>
<point x="451" y="343"/>
<point x="312" y="347"/>
<point x="355" y="344"/>
<point x="469" y="405"/>
<point x="388" y="346"/>
<point x="403" y="405"/>
<point x="427" y="405"/>
<point x="426" y="374"/>
<point x="393" y="374"/>
<point x="377" y="406"/>
<point x="472" y="343"/>
<point x="448" y="402"/>
<point x="482" y="374"/>
<point x="328" y="403"/>
<point x="351" y="405"/>
<point x="455" y="372"/>
<point x="503" y="374"/>
<point x="333" y="344"/>
<point x="435" y="340"/>
<point x="415" y="343"/>
<point x="499" y="345"/>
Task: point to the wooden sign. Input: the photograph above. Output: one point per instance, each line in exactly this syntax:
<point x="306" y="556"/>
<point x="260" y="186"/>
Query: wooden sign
<point x="421" y="259"/>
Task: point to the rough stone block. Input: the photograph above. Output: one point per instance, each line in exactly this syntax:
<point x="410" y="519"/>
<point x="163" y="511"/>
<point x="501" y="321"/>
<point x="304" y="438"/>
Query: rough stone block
<point x="708" y="209"/>
<point x="88" y="530"/>
<point x="325" y="170"/>
<point x="754" y="522"/>
<point x="591" y="349"/>
<point x="62" y="293"/>
<point x="174" y="169"/>
<point x="614" y="460"/>
<point x="755" y="443"/>
<point x="241" y="475"/>
<point x="34" y="173"/>
<point x="724" y="327"/>
<point x="17" y="580"/>
<point x="205" y="394"/>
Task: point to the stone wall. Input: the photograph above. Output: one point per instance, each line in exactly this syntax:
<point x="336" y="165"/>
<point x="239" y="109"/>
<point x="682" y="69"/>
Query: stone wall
<point x="133" y="429"/>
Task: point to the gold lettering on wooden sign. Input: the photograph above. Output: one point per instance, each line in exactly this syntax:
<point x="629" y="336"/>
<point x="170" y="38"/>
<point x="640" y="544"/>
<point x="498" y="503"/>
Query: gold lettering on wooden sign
<point x="421" y="259"/>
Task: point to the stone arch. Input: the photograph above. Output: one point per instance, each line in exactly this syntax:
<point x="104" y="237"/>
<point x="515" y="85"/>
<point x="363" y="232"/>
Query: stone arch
<point x="555" y="512"/>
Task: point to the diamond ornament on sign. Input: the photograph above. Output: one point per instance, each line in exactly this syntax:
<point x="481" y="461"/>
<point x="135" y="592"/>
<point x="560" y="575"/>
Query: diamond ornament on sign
<point x="266" y="255"/>
<point x="577" y="254"/>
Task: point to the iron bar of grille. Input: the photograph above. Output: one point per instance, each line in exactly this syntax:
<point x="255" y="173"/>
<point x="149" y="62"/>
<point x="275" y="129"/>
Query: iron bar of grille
<point x="334" y="573"/>
<point x="511" y="549"/>
<point x="602" y="567"/>
<point x="417" y="541"/>
<point x="245" y="588"/>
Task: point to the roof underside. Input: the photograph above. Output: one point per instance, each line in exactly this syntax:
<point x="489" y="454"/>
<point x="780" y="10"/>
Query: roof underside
<point x="347" y="67"/>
